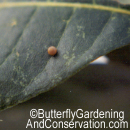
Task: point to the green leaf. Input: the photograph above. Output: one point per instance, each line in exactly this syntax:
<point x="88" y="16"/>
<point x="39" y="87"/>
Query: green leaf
<point x="80" y="31"/>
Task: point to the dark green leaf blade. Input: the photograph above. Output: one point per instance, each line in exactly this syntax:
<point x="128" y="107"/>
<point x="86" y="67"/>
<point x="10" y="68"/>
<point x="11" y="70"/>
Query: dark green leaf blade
<point x="81" y="33"/>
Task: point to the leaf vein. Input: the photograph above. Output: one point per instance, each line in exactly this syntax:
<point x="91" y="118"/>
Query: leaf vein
<point x="18" y="39"/>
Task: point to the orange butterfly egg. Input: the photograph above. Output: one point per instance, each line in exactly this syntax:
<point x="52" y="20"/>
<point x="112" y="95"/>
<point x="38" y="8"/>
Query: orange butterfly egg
<point x="52" y="50"/>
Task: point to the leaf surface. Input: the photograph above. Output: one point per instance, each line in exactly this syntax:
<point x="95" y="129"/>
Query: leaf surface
<point x="81" y="31"/>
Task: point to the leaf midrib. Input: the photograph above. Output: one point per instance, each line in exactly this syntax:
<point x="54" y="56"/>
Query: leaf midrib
<point x="64" y="4"/>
